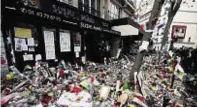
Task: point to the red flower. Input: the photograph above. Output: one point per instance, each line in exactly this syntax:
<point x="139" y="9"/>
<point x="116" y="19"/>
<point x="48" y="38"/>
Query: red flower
<point x="76" y="90"/>
<point x="140" y="98"/>
<point x="92" y="79"/>
<point x="61" y="73"/>
<point x="46" y="99"/>
<point x="3" y="61"/>
<point x="141" y="28"/>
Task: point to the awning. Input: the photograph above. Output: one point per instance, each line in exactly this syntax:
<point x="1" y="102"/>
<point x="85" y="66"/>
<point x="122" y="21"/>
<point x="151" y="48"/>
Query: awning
<point x="126" y="30"/>
<point x="126" y="26"/>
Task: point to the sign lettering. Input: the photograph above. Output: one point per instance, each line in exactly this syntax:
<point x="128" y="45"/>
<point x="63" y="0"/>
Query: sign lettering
<point x="64" y="14"/>
<point x="40" y="14"/>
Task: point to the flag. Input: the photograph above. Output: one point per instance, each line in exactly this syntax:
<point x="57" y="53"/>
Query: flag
<point x="84" y="84"/>
<point x="179" y="72"/>
<point x="160" y="26"/>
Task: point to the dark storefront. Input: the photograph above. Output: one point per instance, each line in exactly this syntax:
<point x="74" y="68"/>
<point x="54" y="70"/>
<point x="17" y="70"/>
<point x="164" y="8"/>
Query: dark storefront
<point x="51" y="31"/>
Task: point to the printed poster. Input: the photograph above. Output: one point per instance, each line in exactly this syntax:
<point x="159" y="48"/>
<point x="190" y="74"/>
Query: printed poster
<point x="22" y="32"/>
<point x="49" y="45"/>
<point x="65" y="42"/>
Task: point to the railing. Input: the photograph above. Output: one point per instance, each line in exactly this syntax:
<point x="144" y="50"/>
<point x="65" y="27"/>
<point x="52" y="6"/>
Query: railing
<point x="107" y="14"/>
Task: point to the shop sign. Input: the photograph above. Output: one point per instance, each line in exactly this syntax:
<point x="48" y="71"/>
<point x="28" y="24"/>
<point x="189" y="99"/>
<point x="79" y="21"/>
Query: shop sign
<point x="93" y="27"/>
<point x="67" y="13"/>
<point x="60" y="12"/>
<point x="63" y="10"/>
<point x="89" y="26"/>
<point x="78" y="15"/>
<point x="38" y="13"/>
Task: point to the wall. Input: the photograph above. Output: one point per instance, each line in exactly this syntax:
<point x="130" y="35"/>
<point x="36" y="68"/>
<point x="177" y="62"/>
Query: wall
<point x="186" y="16"/>
<point x="75" y="3"/>
<point x="144" y="6"/>
<point x="124" y="14"/>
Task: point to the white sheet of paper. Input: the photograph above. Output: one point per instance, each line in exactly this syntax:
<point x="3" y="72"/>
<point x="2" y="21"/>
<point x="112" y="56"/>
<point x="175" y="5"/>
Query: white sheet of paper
<point x="104" y="92"/>
<point x="70" y="99"/>
<point x="49" y="45"/>
<point x="25" y="47"/>
<point x="38" y="57"/>
<point x="117" y="85"/>
<point x="28" y="57"/>
<point x="31" y="49"/>
<point x="83" y="59"/>
<point x="65" y="42"/>
<point x="76" y="54"/>
<point x="144" y="46"/>
<point x="77" y="48"/>
<point x="118" y="54"/>
<point x="170" y="53"/>
<point x="30" y="42"/>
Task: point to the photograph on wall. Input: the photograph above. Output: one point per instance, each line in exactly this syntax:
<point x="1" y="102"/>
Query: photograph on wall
<point x="19" y="44"/>
<point x="77" y="42"/>
<point x="178" y="31"/>
<point x="65" y="44"/>
<point x="49" y="45"/>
